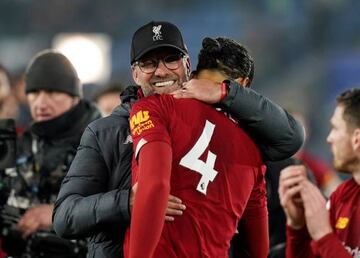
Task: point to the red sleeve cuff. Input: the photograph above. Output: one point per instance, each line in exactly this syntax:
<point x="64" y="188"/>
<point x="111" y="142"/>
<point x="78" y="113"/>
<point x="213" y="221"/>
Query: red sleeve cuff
<point x="298" y="243"/>
<point x="323" y="241"/>
<point x="330" y="246"/>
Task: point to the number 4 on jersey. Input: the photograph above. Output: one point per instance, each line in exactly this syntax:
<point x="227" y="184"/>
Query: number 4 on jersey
<point x="192" y="159"/>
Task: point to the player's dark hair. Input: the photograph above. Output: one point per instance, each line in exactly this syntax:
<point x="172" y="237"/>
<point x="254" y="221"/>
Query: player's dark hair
<point x="226" y="55"/>
<point x="350" y="99"/>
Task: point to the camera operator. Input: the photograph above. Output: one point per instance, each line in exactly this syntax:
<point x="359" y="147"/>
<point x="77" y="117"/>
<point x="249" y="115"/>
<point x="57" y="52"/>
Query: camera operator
<point x="45" y="152"/>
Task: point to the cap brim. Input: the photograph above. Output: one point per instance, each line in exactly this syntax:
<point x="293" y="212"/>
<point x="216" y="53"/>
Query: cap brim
<point x="142" y="53"/>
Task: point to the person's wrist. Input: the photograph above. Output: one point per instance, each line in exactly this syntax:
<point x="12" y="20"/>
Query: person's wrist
<point x="318" y="235"/>
<point x="294" y="225"/>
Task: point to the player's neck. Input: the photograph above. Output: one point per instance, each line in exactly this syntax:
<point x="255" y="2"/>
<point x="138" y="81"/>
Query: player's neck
<point x="212" y="75"/>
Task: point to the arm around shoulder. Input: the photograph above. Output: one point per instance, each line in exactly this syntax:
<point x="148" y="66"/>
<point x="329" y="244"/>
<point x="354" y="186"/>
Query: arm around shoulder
<point x="278" y="134"/>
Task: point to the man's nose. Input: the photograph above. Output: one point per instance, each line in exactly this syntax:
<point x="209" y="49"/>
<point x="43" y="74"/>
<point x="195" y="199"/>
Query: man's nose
<point x="42" y="100"/>
<point x="329" y="138"/>
<point x="161" y="69"/>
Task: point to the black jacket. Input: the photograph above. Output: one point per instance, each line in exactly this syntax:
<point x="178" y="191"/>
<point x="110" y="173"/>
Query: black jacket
<point x="49" y="147"/>
<point x="278" y="135"/>
<point x="93" y="199"/>
<point x="45" y="152"/>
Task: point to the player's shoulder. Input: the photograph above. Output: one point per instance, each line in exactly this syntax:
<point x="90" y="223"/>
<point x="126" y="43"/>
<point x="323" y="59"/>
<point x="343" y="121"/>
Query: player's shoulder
<point x="347" y="184"/>
<point x="146" y="102"/>
<point x="153" y="106"/>
<point x="154" y="99"/>
<point x="165" y="103"/>
<point x="345" y="189"/>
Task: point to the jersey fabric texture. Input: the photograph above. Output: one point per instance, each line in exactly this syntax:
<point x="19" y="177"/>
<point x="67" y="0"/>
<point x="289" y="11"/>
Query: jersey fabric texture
<point x="344" y="241"/>
<point x="215" y="168"/>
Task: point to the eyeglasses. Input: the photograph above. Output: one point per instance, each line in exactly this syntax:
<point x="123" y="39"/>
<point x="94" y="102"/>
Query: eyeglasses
<point x="171" y="62"/>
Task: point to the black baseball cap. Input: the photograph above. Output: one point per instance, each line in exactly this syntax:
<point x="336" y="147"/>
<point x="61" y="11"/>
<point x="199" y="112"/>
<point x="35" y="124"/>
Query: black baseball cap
<point x="156" y="34"/>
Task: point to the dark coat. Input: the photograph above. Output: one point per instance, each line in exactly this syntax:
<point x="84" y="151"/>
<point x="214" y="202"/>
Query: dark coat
<point x="45" y="152"/>
<point x="93" y="199"/>
<point x="50" y="146"/>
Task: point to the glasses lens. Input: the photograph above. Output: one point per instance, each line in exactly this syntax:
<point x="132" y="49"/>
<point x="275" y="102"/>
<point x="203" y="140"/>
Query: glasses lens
<point x="148" y="66"/>
<point x="172" y="61"/>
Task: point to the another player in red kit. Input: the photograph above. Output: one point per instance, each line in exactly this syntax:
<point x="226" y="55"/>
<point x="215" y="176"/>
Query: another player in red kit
<point x="187" y="148"/>
<point x="332" y="231"/>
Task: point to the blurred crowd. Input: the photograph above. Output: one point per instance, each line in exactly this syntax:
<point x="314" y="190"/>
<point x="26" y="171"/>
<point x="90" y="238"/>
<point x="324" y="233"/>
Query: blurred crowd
<point x="52" y="118"/>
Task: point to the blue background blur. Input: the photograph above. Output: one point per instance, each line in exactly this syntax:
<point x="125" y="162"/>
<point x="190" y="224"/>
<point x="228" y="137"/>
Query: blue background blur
<point x="306" y="52"/>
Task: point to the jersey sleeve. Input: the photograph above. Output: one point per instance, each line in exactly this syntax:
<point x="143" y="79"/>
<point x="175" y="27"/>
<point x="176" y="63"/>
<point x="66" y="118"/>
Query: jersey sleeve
<point x="253" y="237"/>
<point x="149" y="129"/>
<point x="331" y="247"/>
<point x="151" y="199"/>
<point x="256" y="206"/>
<point x="148" y="123"/>
<point x="254" y="221"/>
<point x="298" y="243"/>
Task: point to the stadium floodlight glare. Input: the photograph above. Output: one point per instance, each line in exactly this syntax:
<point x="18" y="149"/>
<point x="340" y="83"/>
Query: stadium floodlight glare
<point x="89" y="53"/>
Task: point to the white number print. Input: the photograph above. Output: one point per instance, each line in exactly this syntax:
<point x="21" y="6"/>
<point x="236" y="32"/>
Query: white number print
<point x="192" y="159"/>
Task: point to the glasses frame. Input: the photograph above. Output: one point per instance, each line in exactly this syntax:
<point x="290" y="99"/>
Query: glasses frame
<point x="158" y="60"/>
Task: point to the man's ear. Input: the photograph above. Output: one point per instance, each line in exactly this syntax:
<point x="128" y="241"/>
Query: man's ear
<point x="135" y="75"/>
<point x="76" y="100"/>
<point x="243" y="81"/>
<point x="356" y="140"/>
<point x="188" y="67"/>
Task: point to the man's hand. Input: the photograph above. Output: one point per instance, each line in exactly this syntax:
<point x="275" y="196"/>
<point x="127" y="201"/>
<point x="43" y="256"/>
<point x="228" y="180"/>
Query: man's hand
<point x="289" y="193"/>
<point x="36" y="218"/>
<point x="174" y="208"/>
<point x="200" y="89"/>
<point x="316" y="215"/>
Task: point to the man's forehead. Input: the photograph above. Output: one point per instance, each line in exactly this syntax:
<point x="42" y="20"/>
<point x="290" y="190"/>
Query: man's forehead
<point x="339" y="110"/>
<point x="337" y="117"/>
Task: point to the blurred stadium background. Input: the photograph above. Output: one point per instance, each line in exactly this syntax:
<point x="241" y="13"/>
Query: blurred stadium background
<point x="305" y="52"/>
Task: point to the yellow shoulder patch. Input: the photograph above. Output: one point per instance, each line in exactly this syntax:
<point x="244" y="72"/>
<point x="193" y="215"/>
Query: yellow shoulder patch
<point x="140" y="122"/>
<point x="342" y="223"/>
<point x="138" y="118"/>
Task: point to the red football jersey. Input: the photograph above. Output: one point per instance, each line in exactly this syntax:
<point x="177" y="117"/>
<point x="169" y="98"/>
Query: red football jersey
<point x="215" y="167"/>
<point x="345" y="220"/>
